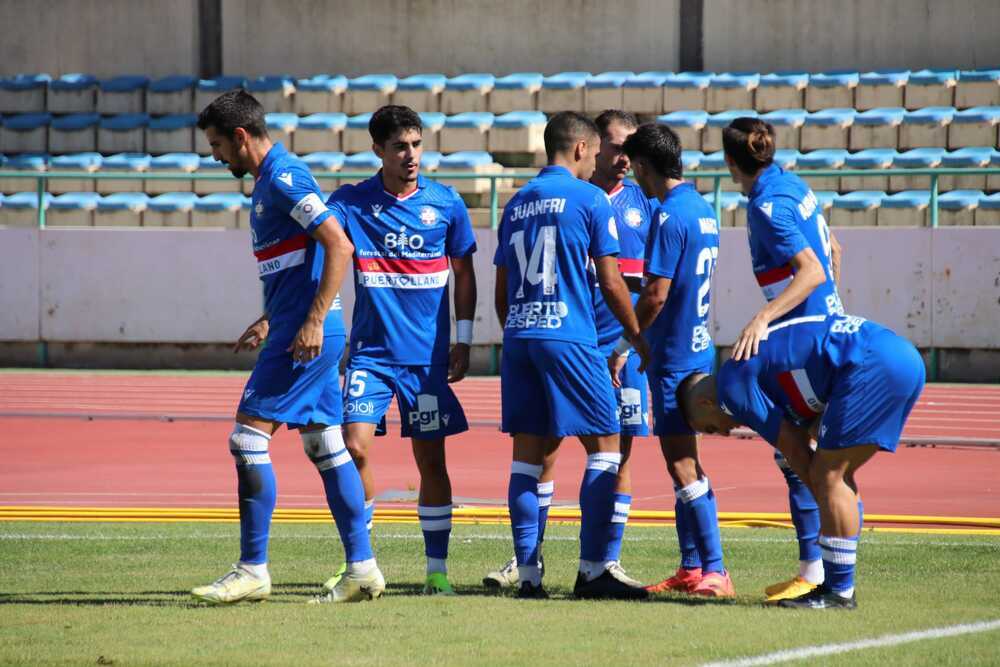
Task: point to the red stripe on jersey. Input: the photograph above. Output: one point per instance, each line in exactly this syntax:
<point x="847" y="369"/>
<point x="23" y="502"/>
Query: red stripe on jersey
<point x="631" y="267"/>
<point x="615" y="190"/>
<point x="387" y="265"/>
<point x="775" y="275"/>
<point x="799" y="404"/>
<point x="288" y="245"/>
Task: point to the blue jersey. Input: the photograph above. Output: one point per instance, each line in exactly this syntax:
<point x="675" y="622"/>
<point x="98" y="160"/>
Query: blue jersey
<point x="401" y="251"/>
<point x="549" y="232"/>
<point x="783" y="219"/>
<point x="287" y="207"/>
<point x="683" y="246"/>
<point x="633" y="211"/>
<point x="793" y="374"/>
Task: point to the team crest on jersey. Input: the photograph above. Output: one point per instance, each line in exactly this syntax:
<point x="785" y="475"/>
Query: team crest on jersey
<point x="428" y="216"/>
<point x="376" y="209"/>
<point x="259" y="209"/>
<point x="633" y="217"/>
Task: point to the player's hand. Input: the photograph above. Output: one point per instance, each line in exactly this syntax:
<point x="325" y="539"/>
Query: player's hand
<point x="616" y="362"/>
<point x="642" y="349"/>
<point x="308" y="342"/>
<point x="253" y="336"/>
<point x="748" y="342"/>
<point x="458" y="362"/>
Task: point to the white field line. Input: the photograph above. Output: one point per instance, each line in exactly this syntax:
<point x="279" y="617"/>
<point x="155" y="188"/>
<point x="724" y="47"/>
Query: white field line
<point x="845" y="647"/>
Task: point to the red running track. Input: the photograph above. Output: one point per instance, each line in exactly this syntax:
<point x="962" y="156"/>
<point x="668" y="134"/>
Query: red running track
<point x="101" y="440"/>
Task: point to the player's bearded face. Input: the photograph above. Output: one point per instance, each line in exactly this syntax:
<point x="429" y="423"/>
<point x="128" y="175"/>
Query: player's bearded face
<point x="612" y="162"/>
<point x="226" y="151"/>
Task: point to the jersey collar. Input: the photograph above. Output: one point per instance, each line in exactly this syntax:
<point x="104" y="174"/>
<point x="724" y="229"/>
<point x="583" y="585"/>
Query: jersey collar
<point x="377" y="184"/>
<point x="276" y="152"/>
<point x="766" y="177"/>
<point x="678" y="189"/>
<point x="555" y="170"/>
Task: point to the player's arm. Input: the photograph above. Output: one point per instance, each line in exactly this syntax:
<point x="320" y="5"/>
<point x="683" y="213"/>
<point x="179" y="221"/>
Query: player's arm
<point x="465" y="313"/>
<point x="500" y="294"/>
<point x="647" y="309"/>
<point x="836" y="253"/>
<point x="616" y="295"/>
<point x="254" y="334"/>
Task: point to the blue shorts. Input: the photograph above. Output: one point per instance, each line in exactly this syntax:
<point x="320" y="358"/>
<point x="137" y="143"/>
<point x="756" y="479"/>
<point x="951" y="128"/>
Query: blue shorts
<point x="667" y="417"/>
<point x="428" y="408"/>
<point x="870" y="401"/>
<point x="283" y="390"/>
<point x="556" y="388"/>
<point x="633" y="398"/>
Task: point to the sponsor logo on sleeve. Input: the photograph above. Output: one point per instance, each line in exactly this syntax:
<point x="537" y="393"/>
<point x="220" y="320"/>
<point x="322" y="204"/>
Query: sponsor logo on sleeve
<point x="286" y="178"/>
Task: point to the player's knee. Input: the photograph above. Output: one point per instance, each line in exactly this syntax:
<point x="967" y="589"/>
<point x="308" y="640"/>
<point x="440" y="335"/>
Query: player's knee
<point x="683" y="471"/>
<point x="325" y="448"/>
<point x="430" y="461"/>
<point x="358" y="450"/>
<point x="249" y="446"/>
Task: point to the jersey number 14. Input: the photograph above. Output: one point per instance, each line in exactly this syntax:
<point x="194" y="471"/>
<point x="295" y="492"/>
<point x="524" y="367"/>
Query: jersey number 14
<point x="540" y="268"/>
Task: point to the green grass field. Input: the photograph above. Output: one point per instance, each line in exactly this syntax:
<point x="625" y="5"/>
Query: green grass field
<point x="78" y="593"/>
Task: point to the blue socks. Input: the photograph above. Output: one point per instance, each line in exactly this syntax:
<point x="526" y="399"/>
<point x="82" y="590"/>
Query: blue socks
<point x="690" y="558"/>
<point x="623" y="503"/>
<point x="597" y="505"/>
<point x="840" y="554"/>
<point x="525" y="518"/>
<point x="804" y="510"/>
<point x="345" y="494"/>
<point x="545" y="492"/>
<point x="257" y="490"/>
<point x="700" y="501"/>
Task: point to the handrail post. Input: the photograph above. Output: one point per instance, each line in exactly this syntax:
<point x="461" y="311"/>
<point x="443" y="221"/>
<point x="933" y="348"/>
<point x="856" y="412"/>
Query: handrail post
<point x="40" y="190"/>
<point x="935" y="355"/>
<point x="494" y="202"/>
<point x="717" y="188"/>
<point x="934" y="201"/>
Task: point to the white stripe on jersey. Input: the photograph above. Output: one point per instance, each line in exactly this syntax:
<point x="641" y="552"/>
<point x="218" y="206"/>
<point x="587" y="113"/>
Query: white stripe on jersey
<point x="268" y="266"/>
<point x="794" y="320"/>
<point x="403" y="280"/>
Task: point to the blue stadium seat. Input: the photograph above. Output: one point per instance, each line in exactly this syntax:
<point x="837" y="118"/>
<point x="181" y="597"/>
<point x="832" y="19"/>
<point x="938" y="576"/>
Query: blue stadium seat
<point x="643" y="93"/>
<point x="73" y="209"/>
<point x="691" y="159"/>
<point x="977" y="88"/>
<point x="876" y="128"/>
<point x="121" y="209"/>
<point x="518" y="132"/>
<point x="319" y="132"/>
<point x="274" y="92"/>
<point x="825" y="158"/>
<point x="925" y="127"/>
<point x="831" y="90"/>
<point x="172" y="209"/>
<point x="23" y="93"/>
<point x="430" y="161"/>
<point x="208" y="89"/>
<point x="993" y="180"/>
<point x="869" y="158"/>
<point x="604" y="91"/>
<point x="220" y="209"/>
<point x="281" y="127"/>
<point x="73" y="133"/>
<point x="714" y="162"/>
<point x="185" y="162"/>
<point x="124" y="133"/>
<point x="988" y="212"/>
<point x="323" y="93"/>
<point x="72" y="93"/>
<point x="958" y="207"/>
<point x="365" y="161"/>
<point x="420" y="92"/>
<point x="689" y="126"/>
<point x="730" y="202"/>
<point x="827" y="128"/>
<point x="917" y="158"/>
<point x="781" y="90"/>
<point x="685" y="90"/>
<point x="467" y="92"/>
<point x="171" y="94"/>
<point x="82" y="162"/>
<point x="881" y="88"/>
<point x="173" y="134"/>
<point x="208" y="164"/>
<point x="966" y="157"/>
<point x="369" y="92"/>
<point x="930" y="88"/>
<point x="29" y="162"/>
<point x="711" y="139"/>
<point x="787" y="125"/>
<point x="468" y="161"/>
<point x="563" y="91"/>
<point x="21" y="209"/>
<point x="26" y="133"/>
<point x="465" y="132"/>
<point x="129" y="163"/>
<point x="432" y="121"/>
<point x="122" y="94"/>
<point x="786" y="158"/>
<point x="856" y="209"/>
<point x="731" y="90"/>
<point x="515" y="92"/>
<point x="974" y="127"/>
<point x="909" y="208"/>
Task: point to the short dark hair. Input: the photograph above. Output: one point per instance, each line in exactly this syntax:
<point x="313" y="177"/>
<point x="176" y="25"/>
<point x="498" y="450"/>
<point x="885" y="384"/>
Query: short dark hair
<point x="750" y="143"/>
<point x="609" y="116"/>
<point x="565" y="129"/>
<point x="659" y="146"/>
<point x="233" y="109"/>
<point x="390" y="119"/>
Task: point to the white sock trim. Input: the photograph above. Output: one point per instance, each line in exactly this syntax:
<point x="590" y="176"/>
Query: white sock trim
<point x="812" y="571"/>
<point x="604" y="461"/>
<point x="258" y="570"/>
<point x="530" y="573"/>
<point x="249" y="446"/>
<point x="522" y="468"/>
<point x="437" y="565"/>
<point x="361" y="567"/>
<point x="693" y="491"/>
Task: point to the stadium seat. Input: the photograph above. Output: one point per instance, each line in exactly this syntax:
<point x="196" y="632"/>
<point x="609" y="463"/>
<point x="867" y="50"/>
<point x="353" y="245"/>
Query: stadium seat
<point x="72" y="93"/>
<point x="988" y="211"/>
<point x="21" y="209"/>
<point x="685" y="90"/>
<point x="856" y="209"/>
<point x="831" y="90"/>
<point x="869" y="158"/>
<point x="786" y="158"/>
<point x="974" y="127"/>
<point x="604" y="91"/>
<point x="515" y="92"/>
<point x="787" y="125"/>
<point x="711" y="138"/>
<point x="185" y="162"/>
<point x="208" y="89"/>
<point x="730" y="203"/>
<point x="171" y="95"/>
<point x="366" y="161"/>
<point x="26" y="133"/>
<point x="325" y="163"/>
<point x="643" y="93"/>
<point x="124" y="133"/>
<point x="81" y="162"/>
<point x="876" y="128"/>
<point x="220" y="209"/>
<point x="121" y="209"/>
<point x="930" y="88"/>
<point x="173" y="134"/>
<point x="473" y="162"/>
<point x="518" y="132"/>
<point x="993" y="180"/>
<point x="420" y="92"/>
<point x="689" y="126"/>
<point x="122" y="94"/>
<point x="127" y="163"/>
<point x="918" y="158"/>
<point x="281" y="128"/>
<point x="209" y="165"/>
<point x="72" y="209"/>
<point x="26" y="162"/>
<point x="23" y="93"/>
<point x="319" y="132"/>
<point x="881" y="88"/>
<point x="691" y="160"/>
<point x="977" y="88"/>
<point x="958" y="207"/>
<point x="909" y="208"/>
<point x="73" y="133"/>
<point x="925" y="128"/>
<point x="322" y="93"/>
<point x="355" y="137"/>
<point x="563" y="91"/>
<point x="430" y="161"/>
<point x="433" y="122"/>
<point x="367" y="93"/>
<point x="825" y="158"/>
<point x="731" y="90"/>
<point x="827" y="128"/>
<point x="965" y="157"/>
<point x="275" y="93"/>
<point x="465" y="132"/>
<point x="714" y="162"/>
<point x="781" y="90"/>
<point x="466" y="92"/>
<point x="172" y="209"/>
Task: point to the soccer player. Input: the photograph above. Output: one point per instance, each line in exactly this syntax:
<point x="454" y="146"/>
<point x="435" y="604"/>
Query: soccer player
<point x="796" y="262"/>
<point x="633" y="212"/>
<point x="551" y="373"/>
<point x="681" y="255"/>
<point x="302" y="256"/>
<point x="406" y="230"/>
<point x="865" y="376"/>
